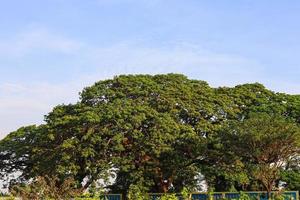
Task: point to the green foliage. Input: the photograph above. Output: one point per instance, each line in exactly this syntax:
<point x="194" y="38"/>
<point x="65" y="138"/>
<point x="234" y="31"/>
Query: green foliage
<point x="168" y="197"/>
<point x="186" y="194"/>
<point x="45" y="188"/>
<point x="210" y="194"/>
<point x="244" y="196"/>
<point x="7" y="198"/>
<point x="279" y="197"/>
<point x="290" y="175"/>
<point x="136" y="193"/>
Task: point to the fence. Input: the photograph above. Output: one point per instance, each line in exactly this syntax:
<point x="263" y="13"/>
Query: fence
<point x="256" y="195"/>
<point x="111" y="197"/>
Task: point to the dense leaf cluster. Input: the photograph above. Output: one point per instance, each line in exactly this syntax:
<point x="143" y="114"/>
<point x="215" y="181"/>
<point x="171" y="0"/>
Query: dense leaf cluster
<point x="163" y="133"/>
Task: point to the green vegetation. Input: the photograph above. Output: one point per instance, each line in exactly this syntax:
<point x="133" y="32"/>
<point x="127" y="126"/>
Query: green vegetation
<point x="158" y="134"/>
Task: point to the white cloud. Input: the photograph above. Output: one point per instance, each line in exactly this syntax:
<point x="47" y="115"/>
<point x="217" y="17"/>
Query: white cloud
<point x="282" y="86"/>
<point x="35" y="40"/>
<point x="194" y="61"/>
<point x="23" y="103"/>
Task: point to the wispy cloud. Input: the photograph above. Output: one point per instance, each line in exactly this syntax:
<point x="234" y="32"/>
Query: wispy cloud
<point x="191" y="60"/>
<point x="35" y="40"/>
<point x="23" y="103"/>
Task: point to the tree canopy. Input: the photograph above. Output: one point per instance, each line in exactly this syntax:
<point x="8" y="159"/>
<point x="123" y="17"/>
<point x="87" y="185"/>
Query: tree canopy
<point x="162" y="132"/>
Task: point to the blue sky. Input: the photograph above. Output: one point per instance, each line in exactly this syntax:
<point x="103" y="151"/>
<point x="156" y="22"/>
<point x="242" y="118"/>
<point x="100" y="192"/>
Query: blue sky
<point x="51" y="49"/>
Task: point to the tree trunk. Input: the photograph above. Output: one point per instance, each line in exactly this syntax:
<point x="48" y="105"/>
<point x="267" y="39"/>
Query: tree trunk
<point x="165" y="184"/>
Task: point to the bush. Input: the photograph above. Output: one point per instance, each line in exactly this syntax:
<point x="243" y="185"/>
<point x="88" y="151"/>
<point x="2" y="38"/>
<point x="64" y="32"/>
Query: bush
<point x="185" y="193"/>
<point x="136" y="193"/>
<point x="45" y="188"/>
<point x="244" y="196"/>
<point x="168" y="197"/>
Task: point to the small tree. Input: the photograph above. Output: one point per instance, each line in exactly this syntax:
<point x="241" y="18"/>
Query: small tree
<point x="45" y="188"/>
<point x="264" y="144"/>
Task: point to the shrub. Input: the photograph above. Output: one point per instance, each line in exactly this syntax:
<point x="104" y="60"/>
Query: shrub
<point x="136" y="193"/>
<point x="168" y="197"/>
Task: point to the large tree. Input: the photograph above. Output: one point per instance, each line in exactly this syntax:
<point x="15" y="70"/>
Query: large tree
<point x="156" y="131"/>
<point x="156" y="117"/>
